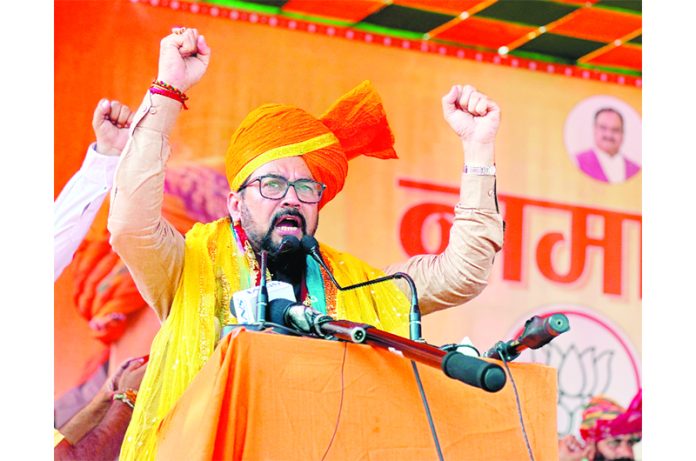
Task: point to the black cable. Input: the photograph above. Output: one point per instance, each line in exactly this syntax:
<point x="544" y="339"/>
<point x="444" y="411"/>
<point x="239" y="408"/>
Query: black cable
<point x="289" y="331"/>
<point x="501" y="352"/>
<point x="427" y="411"/>
<point x="455" y="347"/>
<point x="340" y="405"/>
<point x="250" y="327"/>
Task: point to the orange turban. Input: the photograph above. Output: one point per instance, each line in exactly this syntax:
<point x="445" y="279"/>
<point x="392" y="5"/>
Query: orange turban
<point x="105" y="294"/>
<point x="354" y="125"/>
<point x="603" y="418"/>
<point x="104" y="290"/>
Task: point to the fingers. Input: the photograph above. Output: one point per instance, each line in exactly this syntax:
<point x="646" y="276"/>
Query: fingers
<point x="189" y="46"/>
<point x="122" y="118"/>
<point x="475" y="102"/>
<point x="113" y="111"/>
<point x="115" y="114"/>
<point x="183" y="39"/>
<point x="113" y="381"/>
<point x="203" y="50"/>
<point x="190" y="42"/>
<point x="132" y="368"/>
<point x="465" y="97"/>
<point x="449" y="100"/>
<point x="101" y="112"/>
<point x="134" y="376"/>
<point x="468" y="99"/>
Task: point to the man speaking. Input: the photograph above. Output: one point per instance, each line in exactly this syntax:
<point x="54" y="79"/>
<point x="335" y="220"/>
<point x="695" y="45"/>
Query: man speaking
<point x="283" y="165"/>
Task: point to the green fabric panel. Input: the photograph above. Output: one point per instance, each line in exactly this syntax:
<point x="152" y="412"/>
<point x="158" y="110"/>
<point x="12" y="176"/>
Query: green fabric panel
<point x="407" y="19"/>
<point x="560" y="46"/>
<point x="528" y="12"/>
<point x="270" y="7"/>
<point x="316" y="19"/>
<point x="387" y="31"/>
<point x="637" y="40"/>
<point x="629" y="6"/>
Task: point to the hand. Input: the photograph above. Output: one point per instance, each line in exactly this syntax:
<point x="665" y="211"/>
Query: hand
<point x="132" y="374"/>
<point x="111" y="122"/>
<point x="126" y="372"/>
<point x="570" y="449"/>
<point x="184" y="58"/>
<point x="475" y="119"/>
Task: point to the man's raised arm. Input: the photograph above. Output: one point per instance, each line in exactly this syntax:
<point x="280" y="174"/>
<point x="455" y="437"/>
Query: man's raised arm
<point x="152" y="248"/>
<point x="461" y="272"/>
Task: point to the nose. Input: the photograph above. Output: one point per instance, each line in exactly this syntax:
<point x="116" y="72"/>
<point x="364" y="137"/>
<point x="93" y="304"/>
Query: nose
<point x="291" y="199"/>
<point x="625" y="450"/>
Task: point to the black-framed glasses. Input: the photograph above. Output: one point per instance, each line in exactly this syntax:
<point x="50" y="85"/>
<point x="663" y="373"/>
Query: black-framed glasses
<point x="276" y="187"/>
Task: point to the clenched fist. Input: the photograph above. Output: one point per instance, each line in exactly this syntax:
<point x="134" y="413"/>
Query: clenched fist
<point x="475" y="118"/>
<point x="184" y="58"/>
<point x="110" y="122"/>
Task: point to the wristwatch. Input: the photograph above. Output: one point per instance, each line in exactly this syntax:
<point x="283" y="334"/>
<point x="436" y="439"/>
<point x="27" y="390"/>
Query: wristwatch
<point x="480" y="170"/>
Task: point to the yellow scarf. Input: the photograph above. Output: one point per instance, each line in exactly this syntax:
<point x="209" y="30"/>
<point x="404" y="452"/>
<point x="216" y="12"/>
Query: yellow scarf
<point x="213" y="264"/>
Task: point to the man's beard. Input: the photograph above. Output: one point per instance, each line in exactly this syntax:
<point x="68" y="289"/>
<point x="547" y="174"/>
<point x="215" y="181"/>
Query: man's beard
<point x="286" y="266"/>
<point x="600" y="457"/>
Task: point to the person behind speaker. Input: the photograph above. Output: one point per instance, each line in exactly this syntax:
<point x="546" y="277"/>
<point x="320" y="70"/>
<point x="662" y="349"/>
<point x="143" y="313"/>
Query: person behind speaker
<point x="608" y="430"/>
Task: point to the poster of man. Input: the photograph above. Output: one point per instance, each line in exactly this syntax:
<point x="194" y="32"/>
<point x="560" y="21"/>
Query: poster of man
<point x="604" y="149"/>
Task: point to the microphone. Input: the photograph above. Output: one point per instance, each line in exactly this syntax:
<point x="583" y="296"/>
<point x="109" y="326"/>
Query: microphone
<point x="311" y="246"/>
<point x="474" y="371"/>
<point x="537" y="332"/>
<point x="262" y="299"/>
<point x="288" y="244"/>
<point x="309" y="321"/>
<point x="470" y="370"/>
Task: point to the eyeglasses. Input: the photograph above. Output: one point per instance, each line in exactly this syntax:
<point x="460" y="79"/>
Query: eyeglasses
<point x="276" y="187"/>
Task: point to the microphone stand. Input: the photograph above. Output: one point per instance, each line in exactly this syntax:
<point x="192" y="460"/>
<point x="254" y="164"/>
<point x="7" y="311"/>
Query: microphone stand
<point x="310" y="245"/>
<point x="537" y="332"/>
<point x="262" y="300"/>
<point x="470" y="370"/>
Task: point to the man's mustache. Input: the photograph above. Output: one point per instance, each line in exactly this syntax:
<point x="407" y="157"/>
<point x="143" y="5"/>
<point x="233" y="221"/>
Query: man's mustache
<point x="288" y="212"/>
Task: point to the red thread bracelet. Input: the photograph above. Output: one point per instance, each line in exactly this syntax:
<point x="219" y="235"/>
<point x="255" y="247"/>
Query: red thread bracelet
<point x="176" y="95"/>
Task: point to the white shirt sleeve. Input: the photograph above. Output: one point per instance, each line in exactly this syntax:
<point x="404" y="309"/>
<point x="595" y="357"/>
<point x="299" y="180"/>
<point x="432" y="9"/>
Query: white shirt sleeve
<point x="78" y="203"/>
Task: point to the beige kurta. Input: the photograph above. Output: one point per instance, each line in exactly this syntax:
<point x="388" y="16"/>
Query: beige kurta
<point x="153" y="249"/>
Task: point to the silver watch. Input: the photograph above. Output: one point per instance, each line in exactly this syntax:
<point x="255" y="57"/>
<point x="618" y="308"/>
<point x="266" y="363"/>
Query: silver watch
<point x="480" y="170"/>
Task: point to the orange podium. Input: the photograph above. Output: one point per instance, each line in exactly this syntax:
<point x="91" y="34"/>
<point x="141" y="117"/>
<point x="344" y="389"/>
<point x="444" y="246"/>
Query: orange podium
<point x="265" y="396"/>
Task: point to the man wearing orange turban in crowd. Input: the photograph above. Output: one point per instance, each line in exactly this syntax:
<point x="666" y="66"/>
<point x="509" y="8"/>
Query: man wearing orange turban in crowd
<point x="283" y="165"/>
<point x="609" y="431"/>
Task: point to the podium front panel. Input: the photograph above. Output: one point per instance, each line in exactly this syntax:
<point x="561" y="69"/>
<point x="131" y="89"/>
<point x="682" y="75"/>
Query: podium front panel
<point x="264" y="396"/>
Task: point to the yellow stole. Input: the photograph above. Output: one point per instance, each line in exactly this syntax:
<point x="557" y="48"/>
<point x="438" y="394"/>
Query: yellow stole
<point x="213" y="271"/>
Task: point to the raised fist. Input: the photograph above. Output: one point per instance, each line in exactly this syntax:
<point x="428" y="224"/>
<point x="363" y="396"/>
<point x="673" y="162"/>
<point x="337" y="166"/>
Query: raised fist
<point x="471" y="114"/>
<point x="111" y="121"/>
<point x="184" y="58"/>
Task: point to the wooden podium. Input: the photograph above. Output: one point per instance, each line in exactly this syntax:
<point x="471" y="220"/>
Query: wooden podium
<point x="264" y="396"/>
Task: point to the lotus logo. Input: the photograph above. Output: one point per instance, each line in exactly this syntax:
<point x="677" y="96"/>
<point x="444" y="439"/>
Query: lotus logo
<point x="582" y="373"/>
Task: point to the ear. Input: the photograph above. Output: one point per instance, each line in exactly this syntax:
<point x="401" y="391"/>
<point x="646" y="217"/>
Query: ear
<point x="234" y="205"/>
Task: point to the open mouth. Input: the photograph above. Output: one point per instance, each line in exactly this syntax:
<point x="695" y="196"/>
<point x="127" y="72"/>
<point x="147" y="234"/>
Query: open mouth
<point x="289" y="223"/>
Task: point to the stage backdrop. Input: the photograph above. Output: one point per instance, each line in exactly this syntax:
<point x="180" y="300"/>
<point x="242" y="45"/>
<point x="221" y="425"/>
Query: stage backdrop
<point x="572" y="243"/>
